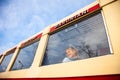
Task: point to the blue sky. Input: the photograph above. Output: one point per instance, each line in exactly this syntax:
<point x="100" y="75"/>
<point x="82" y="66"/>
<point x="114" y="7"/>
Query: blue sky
<point x="20" y="19"/>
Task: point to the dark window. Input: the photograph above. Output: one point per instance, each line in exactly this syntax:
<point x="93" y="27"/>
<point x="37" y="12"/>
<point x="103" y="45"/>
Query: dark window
<point x="82" y="40"/>
<point x="5" y="62"/>
<point x="25" y="57"/>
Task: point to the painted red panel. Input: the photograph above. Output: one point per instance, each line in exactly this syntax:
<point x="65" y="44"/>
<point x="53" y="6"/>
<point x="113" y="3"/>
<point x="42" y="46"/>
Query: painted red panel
<point x="95" y="7"/>
<point x="38" y="36"/>
<point x="52" y="29"/>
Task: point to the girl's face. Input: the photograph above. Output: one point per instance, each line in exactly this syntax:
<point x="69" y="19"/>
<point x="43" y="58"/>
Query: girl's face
<point x="70" y="53"/>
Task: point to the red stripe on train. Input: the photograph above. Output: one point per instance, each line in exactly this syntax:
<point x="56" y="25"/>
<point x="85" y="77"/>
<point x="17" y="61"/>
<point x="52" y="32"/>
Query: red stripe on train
<point x="101" y="77"/>
<point x="95" y="7"/>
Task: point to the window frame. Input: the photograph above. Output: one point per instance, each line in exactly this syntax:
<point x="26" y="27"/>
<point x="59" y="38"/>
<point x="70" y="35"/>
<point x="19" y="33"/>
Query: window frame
<point x="107" y="32"/>
<point x="9" y="52"/>
<point x="24" y="44"/>
<point x="1" y="58"/>
<point x="77" y="21"/>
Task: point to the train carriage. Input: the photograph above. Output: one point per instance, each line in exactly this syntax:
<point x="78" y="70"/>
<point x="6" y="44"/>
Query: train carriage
<point x="84" y="45"/>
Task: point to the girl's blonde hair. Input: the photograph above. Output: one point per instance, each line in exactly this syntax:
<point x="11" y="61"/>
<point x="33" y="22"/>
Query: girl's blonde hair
<point x="73" y="48"/>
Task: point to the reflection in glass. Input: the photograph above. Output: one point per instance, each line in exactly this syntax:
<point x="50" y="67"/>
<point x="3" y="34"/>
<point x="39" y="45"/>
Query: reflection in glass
<point x="25" y="57"/>
<point x="88" y="37"/>
<point x="5" y="62"/>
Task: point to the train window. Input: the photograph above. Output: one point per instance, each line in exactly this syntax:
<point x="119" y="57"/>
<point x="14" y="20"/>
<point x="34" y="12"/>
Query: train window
<point x="25" y="57"/>
<point x="84" y="39"/>
<point x="5" y="62"/>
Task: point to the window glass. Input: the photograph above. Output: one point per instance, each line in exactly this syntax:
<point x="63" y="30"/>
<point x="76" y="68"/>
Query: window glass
<point x="5" y="62"/>
<point x="25" y="57"/>
<point x="82" y="40"/>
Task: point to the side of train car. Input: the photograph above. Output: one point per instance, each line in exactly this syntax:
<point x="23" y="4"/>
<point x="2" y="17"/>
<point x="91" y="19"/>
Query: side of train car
<point x="86" y="43"/>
